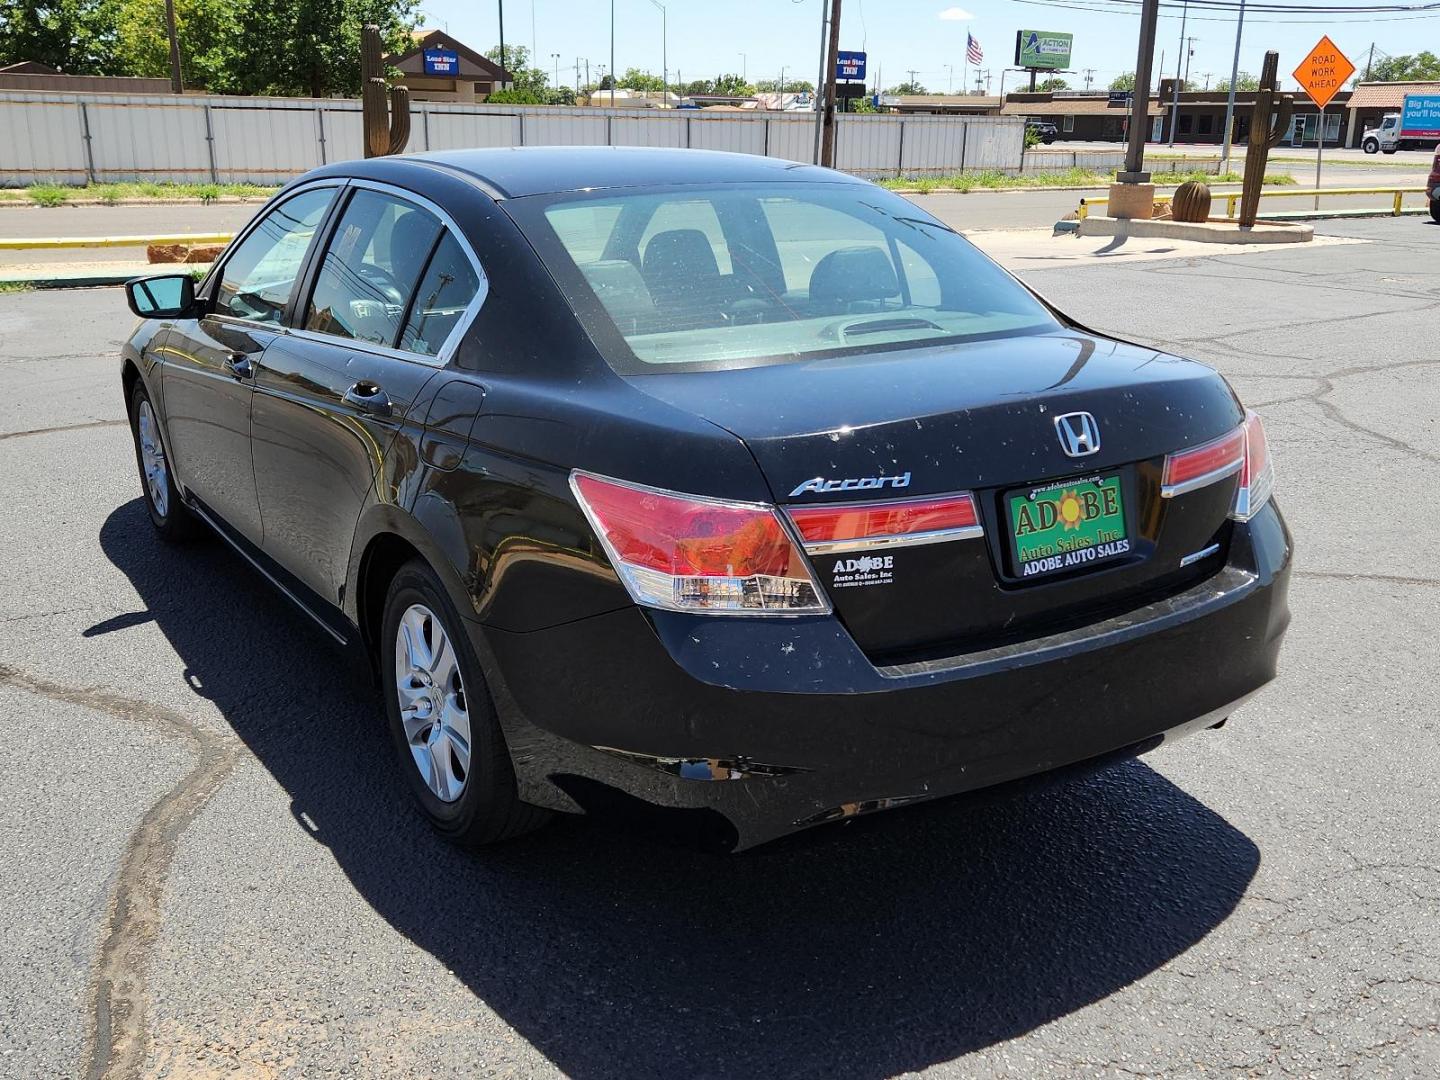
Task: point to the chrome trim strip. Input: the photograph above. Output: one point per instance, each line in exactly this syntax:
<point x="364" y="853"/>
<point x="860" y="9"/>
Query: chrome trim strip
<point x="935" y="536"/>
<point x="202" y="513"/>
<point x="1196" y="556"/>
<point x="1169" y="491"/>
<point x="1227" y="586"/>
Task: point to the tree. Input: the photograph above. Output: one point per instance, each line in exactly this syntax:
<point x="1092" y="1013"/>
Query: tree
<point x="731" y="86"/>
<point x="699" y="86"/>
<point x="207" y="30"/>
<point x="1421" y="66"/>
<point x="635" y="79"/>
<point x="791" y="86"/>
<point x="909" y="88"/>
<point x="75" y="36"/>
<point x="532" y="80"/>
<point x="1052" y="84"/>
<point x="1125" y="81"/>
<point x="299" y="47"/>
<point x="1244" y="82"/>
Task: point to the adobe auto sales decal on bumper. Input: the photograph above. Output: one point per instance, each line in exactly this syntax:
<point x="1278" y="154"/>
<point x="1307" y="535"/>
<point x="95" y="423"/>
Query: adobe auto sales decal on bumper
<point x="863" y="570"/>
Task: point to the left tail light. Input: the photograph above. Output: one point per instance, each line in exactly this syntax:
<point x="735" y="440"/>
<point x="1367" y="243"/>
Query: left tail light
<point x="689" y="553"/>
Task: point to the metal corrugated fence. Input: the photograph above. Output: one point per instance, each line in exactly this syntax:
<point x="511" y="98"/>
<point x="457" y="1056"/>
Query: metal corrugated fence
<point x="79" y="138"/>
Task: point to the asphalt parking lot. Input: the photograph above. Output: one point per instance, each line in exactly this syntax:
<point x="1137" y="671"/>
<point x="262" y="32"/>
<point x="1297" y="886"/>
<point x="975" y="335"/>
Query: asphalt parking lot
<point x="211" y="867"/>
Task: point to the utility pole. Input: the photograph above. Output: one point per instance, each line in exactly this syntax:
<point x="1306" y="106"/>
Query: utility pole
<point x="1370" y="63"/>
<point x="1189" y="55"/>
<point x="1230" y="97"/>
<point x="979" y="82"/>
<point x="1175" y="115"/>
<point x="176" y="86"/>
<point x="612" y="53"/>
<point x="1207" y="75"/>
<point x="1089" y="77"/>
<point x="950" y="79"/>
<point x="827" y="131"/>
<point x="1140" y="107"/>
<point x="820" y="83"/>
<point x="911" y="72"/>
<point x="502" y="36"/>
<point x="556" y="57"/>
<point x="577" y="79"/>
<point x="744" y="68"/>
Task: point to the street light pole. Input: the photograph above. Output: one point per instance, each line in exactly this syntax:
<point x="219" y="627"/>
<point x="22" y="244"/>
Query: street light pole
<point x="1179" y="58"/>
<point x="1230" y="97"/>
<point x="612" y="53"/>
<point x="744" y="68"/>
<point x="664" y="57"/>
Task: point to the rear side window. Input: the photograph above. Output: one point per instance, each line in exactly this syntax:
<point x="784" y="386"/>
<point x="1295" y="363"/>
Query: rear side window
<point x="371" y="268"/>
<point x="259" y="276"/>
<point x="446" y="290"/>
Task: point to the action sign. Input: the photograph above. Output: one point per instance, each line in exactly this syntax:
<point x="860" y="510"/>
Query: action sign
<point x="441" y="62"/>
<point x="1323" y="72"/>
<point x="1045" y="49"/>
<point x="849" y="65"/>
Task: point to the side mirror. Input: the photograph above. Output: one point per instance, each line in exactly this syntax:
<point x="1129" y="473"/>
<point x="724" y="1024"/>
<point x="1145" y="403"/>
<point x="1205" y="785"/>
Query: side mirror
<point x="164" y="296"/>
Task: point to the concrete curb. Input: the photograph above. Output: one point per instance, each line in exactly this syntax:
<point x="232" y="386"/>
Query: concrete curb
<point x="88" y="278"/>
<point x="224" y="200"/>
<point x="1207" y="232"/>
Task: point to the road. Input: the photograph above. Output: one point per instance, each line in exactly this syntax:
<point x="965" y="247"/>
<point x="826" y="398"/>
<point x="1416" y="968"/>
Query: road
<point x="212" y="869"/>
<point x="1283" y="154"/>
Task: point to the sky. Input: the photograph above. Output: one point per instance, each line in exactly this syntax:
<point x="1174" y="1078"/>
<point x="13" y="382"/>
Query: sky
<point x="758" y="38"/>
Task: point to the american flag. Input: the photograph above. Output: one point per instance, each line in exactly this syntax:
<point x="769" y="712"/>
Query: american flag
<point x="973" y="53"/>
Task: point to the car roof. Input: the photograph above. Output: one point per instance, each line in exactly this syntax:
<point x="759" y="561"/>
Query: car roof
<point x="514" y="172"/>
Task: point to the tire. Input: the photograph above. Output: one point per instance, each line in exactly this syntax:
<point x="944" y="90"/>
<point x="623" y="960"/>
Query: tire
<point x="168" y="513"/>
<point x="1370" y="146"/>
<point x="448" y="742"/>
<point x="1389" y="150"/>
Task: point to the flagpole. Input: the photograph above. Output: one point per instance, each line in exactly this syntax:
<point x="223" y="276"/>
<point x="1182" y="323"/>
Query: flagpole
<point x="965" y="65"/>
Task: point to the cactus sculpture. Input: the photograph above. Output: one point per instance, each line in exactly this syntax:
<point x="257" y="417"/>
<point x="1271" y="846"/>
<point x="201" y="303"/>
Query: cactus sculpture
<point x="1269" y="123"/>
<point x="386" y="109"/>
<point x="1191" y="202"/>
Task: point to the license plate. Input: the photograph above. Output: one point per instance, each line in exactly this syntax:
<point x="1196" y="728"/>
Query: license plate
<point x="1067" y="525"/>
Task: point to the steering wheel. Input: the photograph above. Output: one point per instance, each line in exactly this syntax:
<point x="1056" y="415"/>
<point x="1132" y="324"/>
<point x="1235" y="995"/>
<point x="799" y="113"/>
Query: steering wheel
<point x="385" y="282"/>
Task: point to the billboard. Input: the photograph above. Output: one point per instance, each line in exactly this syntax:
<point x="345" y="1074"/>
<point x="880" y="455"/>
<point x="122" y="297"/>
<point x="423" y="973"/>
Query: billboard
<point x="1044" y="49"/>
<point x="441" y="62"/>
<point x="1421" y="118"/>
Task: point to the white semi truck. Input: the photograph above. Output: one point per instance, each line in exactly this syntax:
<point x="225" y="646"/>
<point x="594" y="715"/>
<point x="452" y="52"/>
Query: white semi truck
<point x="1417" y="125"/>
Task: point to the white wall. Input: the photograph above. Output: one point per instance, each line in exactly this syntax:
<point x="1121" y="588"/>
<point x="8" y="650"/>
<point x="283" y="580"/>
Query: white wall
<point x="72" y="138"/>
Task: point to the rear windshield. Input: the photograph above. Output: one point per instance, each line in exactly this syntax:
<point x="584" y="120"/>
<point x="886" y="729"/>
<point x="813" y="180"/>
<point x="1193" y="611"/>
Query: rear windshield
<point x="740" y="275"/>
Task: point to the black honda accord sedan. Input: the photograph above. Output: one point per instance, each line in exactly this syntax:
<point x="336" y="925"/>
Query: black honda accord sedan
<point x="703" y="481"/>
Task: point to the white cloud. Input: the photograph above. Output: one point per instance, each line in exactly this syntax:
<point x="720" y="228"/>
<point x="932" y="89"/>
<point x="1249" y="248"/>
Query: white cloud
<point x="956" y="14"/>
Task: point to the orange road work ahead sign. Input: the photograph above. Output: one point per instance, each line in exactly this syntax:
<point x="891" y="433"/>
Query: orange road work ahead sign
<point x="1324" y="71"/>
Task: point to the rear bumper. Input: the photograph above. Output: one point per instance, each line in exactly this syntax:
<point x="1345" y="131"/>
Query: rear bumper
<point x="763" y="726"/>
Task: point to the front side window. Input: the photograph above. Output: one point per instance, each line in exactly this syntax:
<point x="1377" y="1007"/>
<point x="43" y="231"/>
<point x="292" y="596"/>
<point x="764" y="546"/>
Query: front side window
<point x="259" y="276"/>
<point x="371" y="268"/>
<point x="742" y="275"/>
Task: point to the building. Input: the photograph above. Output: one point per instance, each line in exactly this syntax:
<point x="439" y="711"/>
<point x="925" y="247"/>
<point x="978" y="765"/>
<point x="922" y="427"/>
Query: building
<point x="33" y="75"/>
<point x="439" y="68"/>
<point x="1372" y="100"/>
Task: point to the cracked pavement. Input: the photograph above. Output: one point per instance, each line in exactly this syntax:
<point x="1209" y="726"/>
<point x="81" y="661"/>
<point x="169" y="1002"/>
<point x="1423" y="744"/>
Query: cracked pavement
<point x="212" y="869"/>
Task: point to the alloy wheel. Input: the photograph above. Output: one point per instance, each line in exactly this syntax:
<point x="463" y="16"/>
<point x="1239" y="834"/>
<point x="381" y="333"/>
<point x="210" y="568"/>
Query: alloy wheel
<point x="152" y="460"/>
<point x="434" y="708"/>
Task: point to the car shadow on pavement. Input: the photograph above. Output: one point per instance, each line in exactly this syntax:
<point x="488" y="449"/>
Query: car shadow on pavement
<point x="887" y="946"/>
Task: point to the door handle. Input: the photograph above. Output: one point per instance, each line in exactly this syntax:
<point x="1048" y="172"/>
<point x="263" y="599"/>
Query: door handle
<point x="239" y="366"/>
<point x="368" y="398"/>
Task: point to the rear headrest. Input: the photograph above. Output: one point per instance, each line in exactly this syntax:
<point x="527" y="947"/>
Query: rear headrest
<point x="852" y="274"/>
<point x="619" y="286"/>
<point x="680" y="262"/>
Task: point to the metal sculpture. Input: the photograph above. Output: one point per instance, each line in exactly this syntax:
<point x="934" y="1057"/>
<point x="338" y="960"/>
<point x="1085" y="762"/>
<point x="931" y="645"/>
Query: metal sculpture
<point x="1191" y="202"/>
<point x="1269" y="123"/>
<point x="386" y="109"/>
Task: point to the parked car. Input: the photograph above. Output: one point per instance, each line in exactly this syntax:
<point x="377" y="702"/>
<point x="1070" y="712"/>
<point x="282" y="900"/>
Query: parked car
<point x="1047" y="131"/>
<point x="1432" y="187"/>
<point x="703" y="481"/>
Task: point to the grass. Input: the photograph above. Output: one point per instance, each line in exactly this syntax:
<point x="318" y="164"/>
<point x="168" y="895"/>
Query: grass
<point x="112" y="194"/>
<point x="7" y="287"/>
<point x="993" y="179"/>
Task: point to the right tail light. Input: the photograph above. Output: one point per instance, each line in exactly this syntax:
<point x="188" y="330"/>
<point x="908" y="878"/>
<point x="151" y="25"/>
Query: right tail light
<point x="1243" y="450"/>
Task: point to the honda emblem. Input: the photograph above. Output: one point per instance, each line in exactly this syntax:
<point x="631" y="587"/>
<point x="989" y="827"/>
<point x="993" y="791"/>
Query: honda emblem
<point x="1079" y="434"/>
